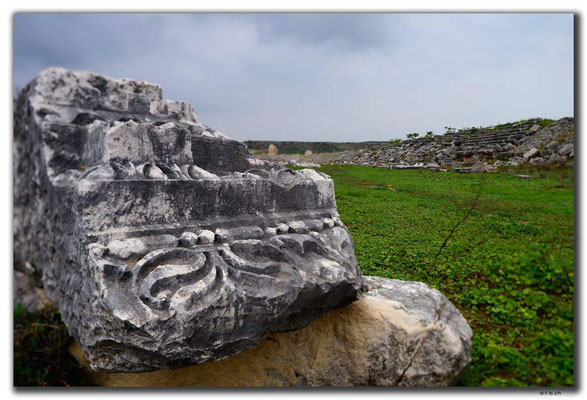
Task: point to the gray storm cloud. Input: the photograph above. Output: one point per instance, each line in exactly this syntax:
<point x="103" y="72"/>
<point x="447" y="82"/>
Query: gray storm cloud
<point x="323" y="77"/>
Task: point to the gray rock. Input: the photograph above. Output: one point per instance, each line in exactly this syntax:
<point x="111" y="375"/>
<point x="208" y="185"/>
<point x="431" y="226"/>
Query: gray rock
<point x="113" y="185"/>
<point x="506" y="143"/>
<point x="555" y="158"/>
<point x="507" y="147"/>
<point x="533" y="152"/>
<point x="463" y="170"/>
<point x="565" y="149"/>
<point x="535" y="128"/>
<point x="544" y="153"/>
<point x="552" y="146"/>
<point x="439" y="346"/>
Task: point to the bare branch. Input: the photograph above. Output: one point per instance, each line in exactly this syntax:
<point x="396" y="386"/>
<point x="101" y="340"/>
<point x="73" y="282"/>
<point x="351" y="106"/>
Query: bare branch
<point x="470" y="209"/>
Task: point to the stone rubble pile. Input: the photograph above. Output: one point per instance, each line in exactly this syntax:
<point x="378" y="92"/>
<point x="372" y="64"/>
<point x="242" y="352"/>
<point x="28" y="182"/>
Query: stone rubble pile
<point x="476" y="149"/>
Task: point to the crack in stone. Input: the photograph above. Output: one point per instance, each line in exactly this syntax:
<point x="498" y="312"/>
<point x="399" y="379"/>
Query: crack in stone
<point x="420" y="344"/>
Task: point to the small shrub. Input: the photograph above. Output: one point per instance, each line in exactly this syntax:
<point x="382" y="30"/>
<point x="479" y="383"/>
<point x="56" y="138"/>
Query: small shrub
<point x="545" y="122"/>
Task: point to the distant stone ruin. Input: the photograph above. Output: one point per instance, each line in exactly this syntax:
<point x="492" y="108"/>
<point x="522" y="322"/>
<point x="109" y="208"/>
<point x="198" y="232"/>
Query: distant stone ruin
<point x="534" y="141"/>
<point x="272" y="149"/>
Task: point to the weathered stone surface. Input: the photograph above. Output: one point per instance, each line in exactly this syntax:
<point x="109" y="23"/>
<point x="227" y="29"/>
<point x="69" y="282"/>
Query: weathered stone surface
<point x="533" y="152"/>
<point x="537" y="161"/>
<point x="149" y="228"/>
<point x="566" y="149"/>
<point x="535" y="128"/>
<point x="398" y="334"/>
<point x="552" y="146"/>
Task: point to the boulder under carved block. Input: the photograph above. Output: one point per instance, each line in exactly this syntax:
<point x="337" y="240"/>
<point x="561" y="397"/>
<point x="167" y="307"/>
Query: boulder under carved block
<point x="163" y="242"/>
<point x="397" y="334"/>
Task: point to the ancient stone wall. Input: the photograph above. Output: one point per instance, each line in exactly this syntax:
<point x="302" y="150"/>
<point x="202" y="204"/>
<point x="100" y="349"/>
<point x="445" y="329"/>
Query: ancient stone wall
<point x="508" y="144"/>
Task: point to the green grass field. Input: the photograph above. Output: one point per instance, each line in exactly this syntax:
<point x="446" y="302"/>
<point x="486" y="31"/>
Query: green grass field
<point x="508" y="267"/>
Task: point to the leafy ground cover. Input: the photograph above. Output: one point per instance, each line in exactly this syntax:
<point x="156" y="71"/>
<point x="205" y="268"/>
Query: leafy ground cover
<point x="508" y="267"/>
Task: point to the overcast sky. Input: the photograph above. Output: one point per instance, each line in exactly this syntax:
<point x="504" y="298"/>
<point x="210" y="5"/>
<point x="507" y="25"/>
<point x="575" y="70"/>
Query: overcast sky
<point x="322" y="77"/>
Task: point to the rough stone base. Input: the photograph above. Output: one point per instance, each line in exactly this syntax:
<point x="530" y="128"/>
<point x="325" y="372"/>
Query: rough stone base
<point x="398" y="334"/>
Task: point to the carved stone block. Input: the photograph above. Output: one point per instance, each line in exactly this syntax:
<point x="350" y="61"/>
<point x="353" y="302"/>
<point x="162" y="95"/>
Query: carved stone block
<point x="162" y="241"/>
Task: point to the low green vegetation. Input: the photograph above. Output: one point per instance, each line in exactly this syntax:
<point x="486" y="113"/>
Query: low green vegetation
<point x="468" y="130"/>
<point x="508" y="267"/>
<point x="40" y="351"/>
<point x="504" y="126"/>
